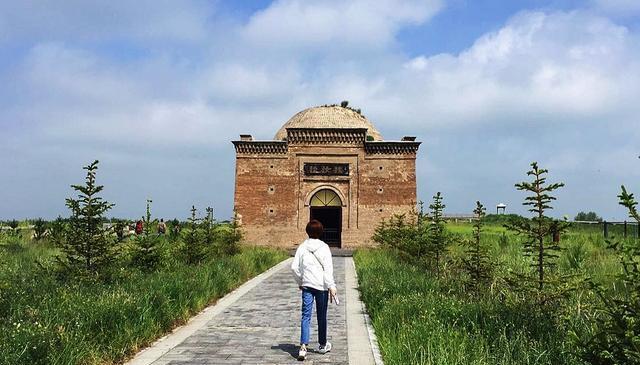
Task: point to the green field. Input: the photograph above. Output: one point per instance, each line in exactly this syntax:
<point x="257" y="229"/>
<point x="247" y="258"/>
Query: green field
<point x="422" y="319"/>
<point x="50" y="321"/>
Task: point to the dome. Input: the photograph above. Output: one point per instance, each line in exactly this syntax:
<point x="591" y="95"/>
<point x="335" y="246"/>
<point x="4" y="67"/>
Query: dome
<point x="333" y="116"/>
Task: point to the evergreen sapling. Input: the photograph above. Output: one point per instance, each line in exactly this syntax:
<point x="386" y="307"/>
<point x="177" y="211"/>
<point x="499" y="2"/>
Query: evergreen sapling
<point x="231" y="237"/>
<point x="397" y="233"/>
<point x="193" y="242"/>
<point x="14" y="230"/>
<point x="477" y="263"/>
<point x="437" y="235"/>
<point x="209" y="231"/>
<point x="539" y="246"/>
<point x="147" y="253"/>
<point x="617" y="336"/>
<point x="87" y="250"/>
<point x="40" y="227"/>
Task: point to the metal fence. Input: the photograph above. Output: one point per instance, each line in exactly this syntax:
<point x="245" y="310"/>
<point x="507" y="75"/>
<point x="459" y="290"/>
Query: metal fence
<point x="622" y="229"/>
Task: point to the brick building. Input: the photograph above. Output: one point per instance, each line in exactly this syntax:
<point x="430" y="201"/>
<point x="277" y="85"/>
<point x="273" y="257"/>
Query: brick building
<point x="327" y="163"/>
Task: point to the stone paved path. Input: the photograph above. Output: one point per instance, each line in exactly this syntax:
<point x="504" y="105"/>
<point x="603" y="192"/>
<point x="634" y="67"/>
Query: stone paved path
<point x="263" y="327"/>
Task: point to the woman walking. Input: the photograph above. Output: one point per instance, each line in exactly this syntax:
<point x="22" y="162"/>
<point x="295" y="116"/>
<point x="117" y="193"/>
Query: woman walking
<point x="313" y="270"/>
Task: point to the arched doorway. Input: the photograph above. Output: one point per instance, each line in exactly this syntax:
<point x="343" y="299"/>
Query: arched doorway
<point x="326" y="206"/>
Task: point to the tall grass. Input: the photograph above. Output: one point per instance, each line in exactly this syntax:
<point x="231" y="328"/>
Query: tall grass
<point x="46" y="321"/>
<point x="421" y="319"/>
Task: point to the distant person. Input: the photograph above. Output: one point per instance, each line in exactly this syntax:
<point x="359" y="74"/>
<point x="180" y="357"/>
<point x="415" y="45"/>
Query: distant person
<point x="139" y="227"/>
<point x="313" y="270"/>
<point x="162" y="227"/>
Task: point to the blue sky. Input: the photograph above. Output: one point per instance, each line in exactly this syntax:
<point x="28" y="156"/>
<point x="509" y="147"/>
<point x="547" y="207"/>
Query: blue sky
<point x="157" y="89"/>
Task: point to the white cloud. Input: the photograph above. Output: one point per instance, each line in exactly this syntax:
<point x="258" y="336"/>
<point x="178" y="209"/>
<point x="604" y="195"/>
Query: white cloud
<point x="325" y="25"/>
<point x="539" y="67"/>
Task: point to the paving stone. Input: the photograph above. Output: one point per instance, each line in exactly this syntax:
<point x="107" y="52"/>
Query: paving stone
<point x="263" y="327"/>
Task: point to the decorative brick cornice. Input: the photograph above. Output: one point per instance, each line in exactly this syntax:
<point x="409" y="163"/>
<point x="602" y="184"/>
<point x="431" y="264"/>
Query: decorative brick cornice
<point x="391" y="148"/>
<point x="296" y="136"/>
<point x="261" y="147"/>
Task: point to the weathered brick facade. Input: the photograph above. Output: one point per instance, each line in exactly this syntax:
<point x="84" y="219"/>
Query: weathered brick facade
<point x="373" y="179"/>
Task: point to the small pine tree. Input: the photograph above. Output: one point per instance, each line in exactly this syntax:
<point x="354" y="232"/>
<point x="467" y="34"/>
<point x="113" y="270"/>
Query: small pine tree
<point x="397" y="233"/>
<point x="477" y="263"/>
<point x="230" y="239"/>
<point x="421" y="239"/>
<point x="39" y="229"/>
<point x="57" y="231"/>
<point x="87" y="248"/>
<point x="209" y="226"/>
<point x="147" y="254"/>
<point x="617" y="338"/>
<point x="437" y="241"/>
<point x="15" y="230"/>
<point x="538" y="247"/>
<point x="194" y="247"/>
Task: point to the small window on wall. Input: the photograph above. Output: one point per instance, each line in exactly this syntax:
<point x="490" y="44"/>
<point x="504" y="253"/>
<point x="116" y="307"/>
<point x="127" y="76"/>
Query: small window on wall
<point x="380" y="190"/>
<point x="380" y="210"/>
<point x="271" y="166"/>
<point x="271" y="189"/>
<point x="380" y="167"/>
<point x="271" y="211"/>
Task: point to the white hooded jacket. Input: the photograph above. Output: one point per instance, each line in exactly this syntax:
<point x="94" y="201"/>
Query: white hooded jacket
<point x="313" y="272"/>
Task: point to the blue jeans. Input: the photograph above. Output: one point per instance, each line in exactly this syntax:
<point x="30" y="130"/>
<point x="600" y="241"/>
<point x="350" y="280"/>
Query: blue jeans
<point x="321" y="298"/>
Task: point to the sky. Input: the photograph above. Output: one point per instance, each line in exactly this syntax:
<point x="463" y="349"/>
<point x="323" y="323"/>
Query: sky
<point x="156" y="90"/>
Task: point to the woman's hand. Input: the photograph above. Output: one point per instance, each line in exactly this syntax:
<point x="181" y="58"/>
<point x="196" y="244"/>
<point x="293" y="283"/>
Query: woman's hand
<point x="332" y="294"/>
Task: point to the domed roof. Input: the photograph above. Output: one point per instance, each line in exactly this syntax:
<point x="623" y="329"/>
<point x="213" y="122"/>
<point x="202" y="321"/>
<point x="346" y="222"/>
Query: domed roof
<point x="332" y="116"/>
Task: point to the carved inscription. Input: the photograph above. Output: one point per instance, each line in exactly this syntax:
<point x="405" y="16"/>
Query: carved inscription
<point x="326" y="169"/>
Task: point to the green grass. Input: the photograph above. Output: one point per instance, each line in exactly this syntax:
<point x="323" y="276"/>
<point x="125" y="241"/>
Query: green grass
<point x="45" y="321"/>
<point x="423" y="320"/>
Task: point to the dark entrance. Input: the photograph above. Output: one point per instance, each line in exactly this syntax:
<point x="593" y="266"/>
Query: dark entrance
<point x="331" y="219"/>
<point x="326" y="207"/>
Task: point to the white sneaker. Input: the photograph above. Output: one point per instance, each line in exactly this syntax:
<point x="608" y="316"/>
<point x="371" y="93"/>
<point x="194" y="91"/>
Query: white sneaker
<point x="324" y="349"/>
<point x="302" y="354"/>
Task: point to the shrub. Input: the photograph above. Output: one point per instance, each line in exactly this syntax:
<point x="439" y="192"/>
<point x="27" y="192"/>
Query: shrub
<point x="400" y="234"/>
<point x="499" y="218"/>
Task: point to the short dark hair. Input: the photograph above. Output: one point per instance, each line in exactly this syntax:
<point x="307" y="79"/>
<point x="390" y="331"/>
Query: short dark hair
<point x="314" y="229"/>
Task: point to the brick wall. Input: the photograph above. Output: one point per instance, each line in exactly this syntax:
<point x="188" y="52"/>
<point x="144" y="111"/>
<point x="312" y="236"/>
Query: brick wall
<point x="272" y="192"/>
